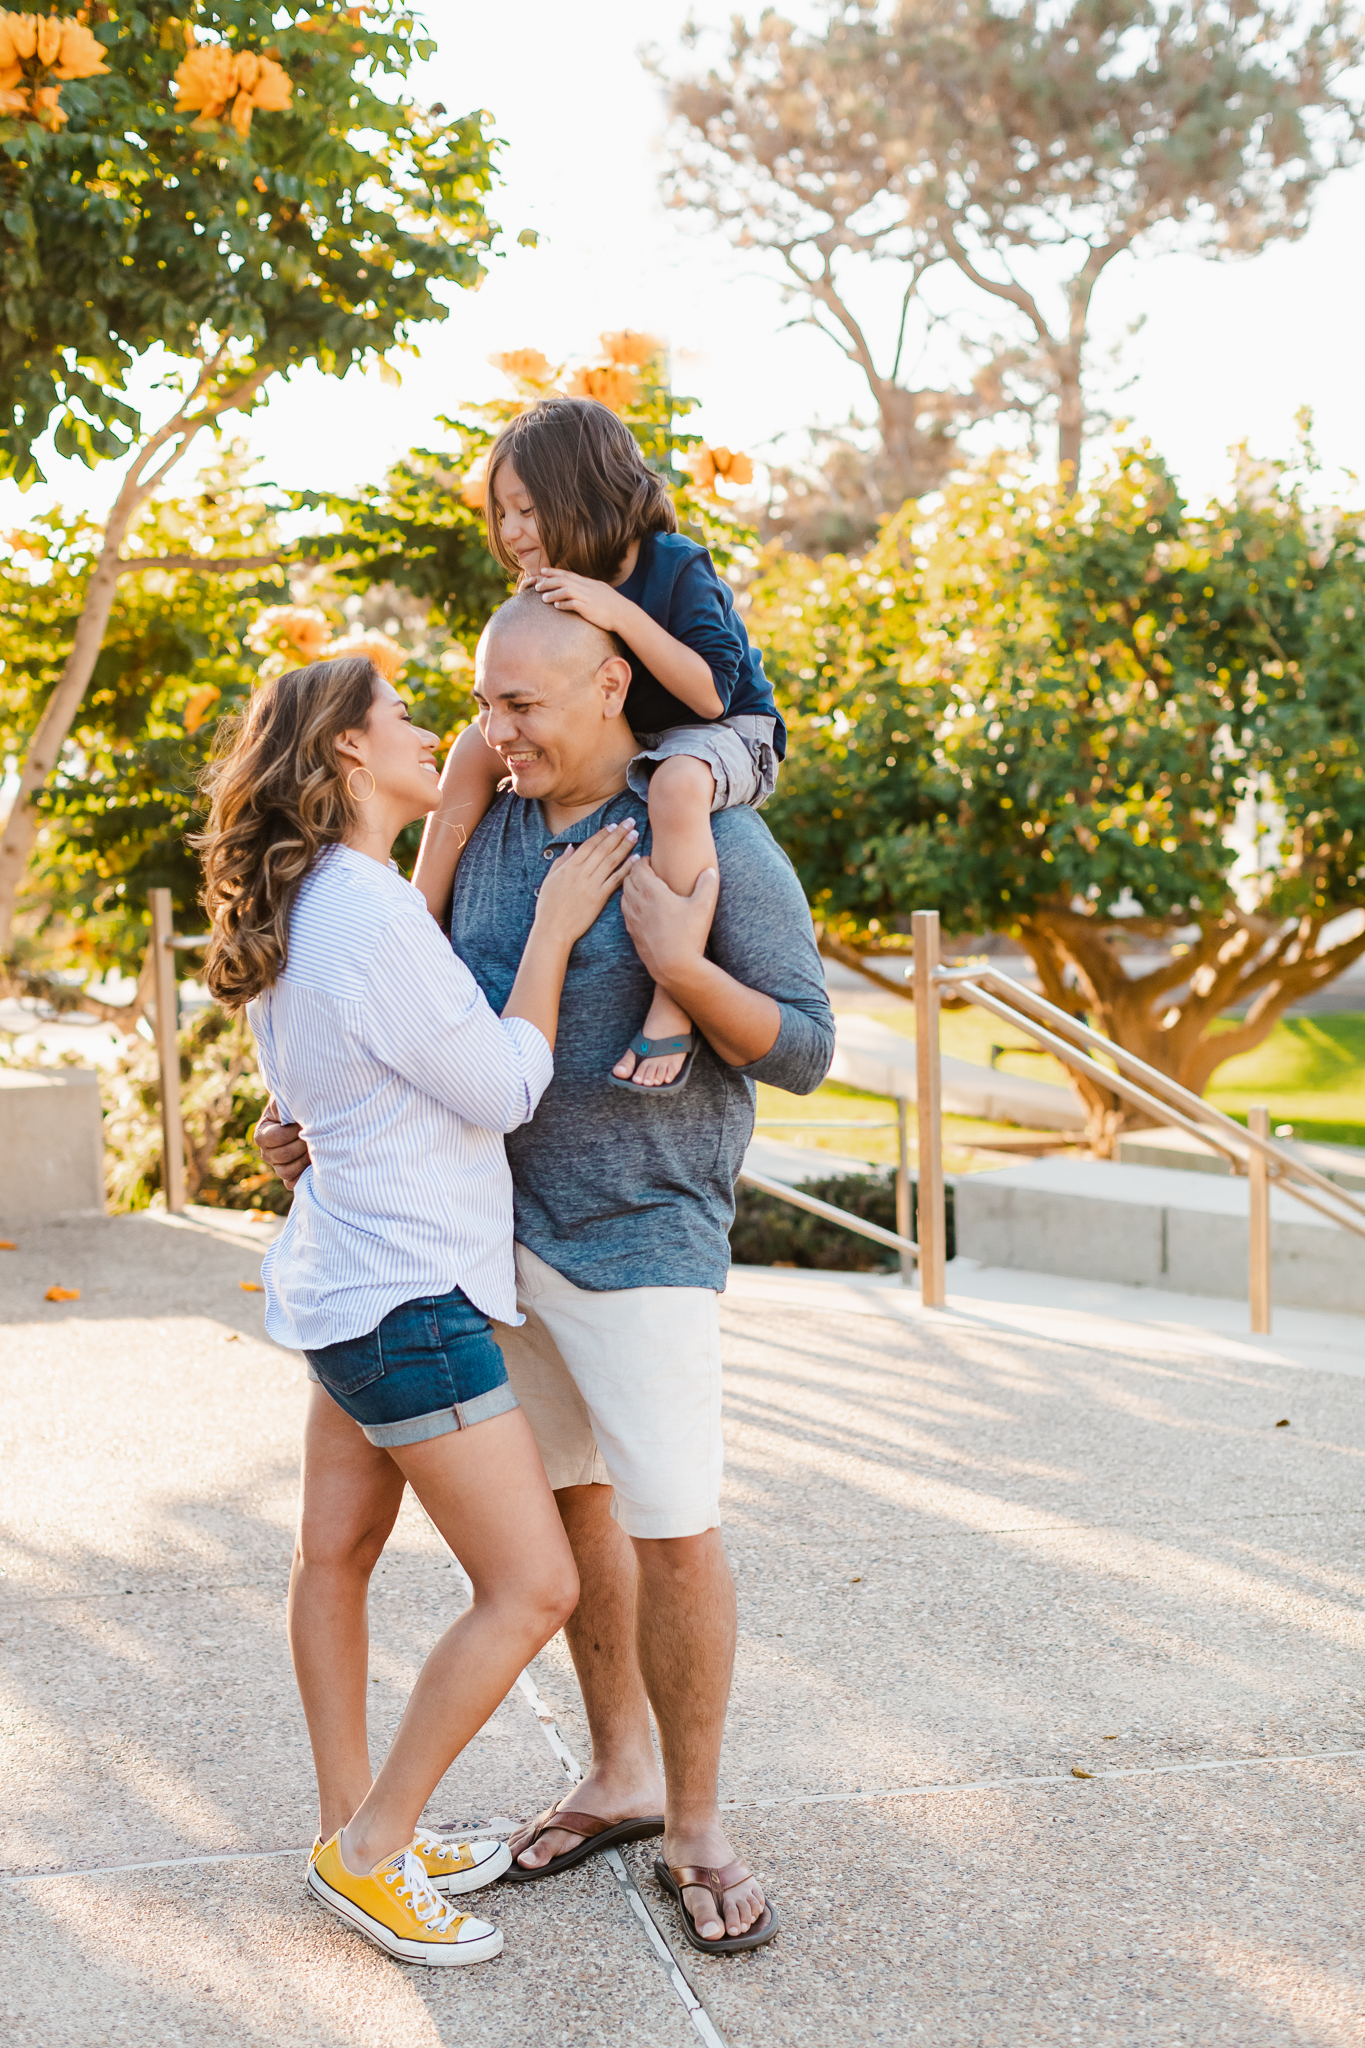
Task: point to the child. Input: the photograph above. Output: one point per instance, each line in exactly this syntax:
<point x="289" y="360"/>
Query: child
<point x="574" y="511"/>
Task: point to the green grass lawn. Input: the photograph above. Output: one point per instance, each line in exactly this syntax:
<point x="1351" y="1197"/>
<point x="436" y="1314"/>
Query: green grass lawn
<point x="1310" y="1072"/>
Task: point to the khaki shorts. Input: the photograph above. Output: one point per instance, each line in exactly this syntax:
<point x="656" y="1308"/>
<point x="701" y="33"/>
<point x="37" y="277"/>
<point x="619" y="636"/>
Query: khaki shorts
<point x="622" y="1389"/>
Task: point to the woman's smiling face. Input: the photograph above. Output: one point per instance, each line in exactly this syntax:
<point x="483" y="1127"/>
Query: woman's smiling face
<point x="517" y="520"/>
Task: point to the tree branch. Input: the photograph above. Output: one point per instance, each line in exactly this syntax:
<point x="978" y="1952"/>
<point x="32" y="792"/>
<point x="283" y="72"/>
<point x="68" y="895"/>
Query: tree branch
<point x="220" y="565"/>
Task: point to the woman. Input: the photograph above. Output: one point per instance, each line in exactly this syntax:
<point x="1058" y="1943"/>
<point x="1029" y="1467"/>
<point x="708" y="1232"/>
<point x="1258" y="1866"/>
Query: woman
<point x="397" y="1252"/>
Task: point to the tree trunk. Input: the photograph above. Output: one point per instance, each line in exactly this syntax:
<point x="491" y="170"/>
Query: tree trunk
<point x="1070" y="426"/>
<point x="1166" y="1017"/>
<point x="21" y="827"/>
<point x="59" y="713"/>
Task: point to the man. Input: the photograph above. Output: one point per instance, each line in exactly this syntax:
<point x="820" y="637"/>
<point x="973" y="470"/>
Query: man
<point x="623" y="1208"/>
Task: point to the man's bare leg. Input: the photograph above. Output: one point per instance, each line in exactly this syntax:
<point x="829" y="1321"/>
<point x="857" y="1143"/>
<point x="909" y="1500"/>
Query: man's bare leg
<point x="623" y="1777"/>
<point x="686" y="1637"/>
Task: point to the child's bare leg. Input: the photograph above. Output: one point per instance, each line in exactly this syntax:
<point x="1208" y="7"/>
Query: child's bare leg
<point x="469" y="783"/>
<point x="681" y="792"/>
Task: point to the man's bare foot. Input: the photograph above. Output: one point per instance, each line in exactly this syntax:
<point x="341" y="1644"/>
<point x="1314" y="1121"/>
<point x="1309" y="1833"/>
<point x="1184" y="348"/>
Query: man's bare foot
<point x="599" y="1795"/>
<point x="665" y="1020"/>
<point x="710" y="1849"/>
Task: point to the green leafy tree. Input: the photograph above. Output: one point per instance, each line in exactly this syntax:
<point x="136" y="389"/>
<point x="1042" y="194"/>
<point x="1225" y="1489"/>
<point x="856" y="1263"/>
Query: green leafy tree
<point x="183" y="648"/>
<point x="1023" y="148"/>
<point x="1050" y="717"/>
<point x="244" y="195"/>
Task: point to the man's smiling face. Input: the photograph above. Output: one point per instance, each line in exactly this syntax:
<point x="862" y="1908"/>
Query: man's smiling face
<point x="551" y="690"/>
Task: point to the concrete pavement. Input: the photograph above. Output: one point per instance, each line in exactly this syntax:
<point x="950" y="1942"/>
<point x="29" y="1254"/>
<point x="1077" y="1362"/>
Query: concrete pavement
<point x="977" y="1552"/>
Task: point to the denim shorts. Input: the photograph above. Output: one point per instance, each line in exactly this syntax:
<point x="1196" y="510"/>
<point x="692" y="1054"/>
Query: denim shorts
<point x="430" y="1367"/>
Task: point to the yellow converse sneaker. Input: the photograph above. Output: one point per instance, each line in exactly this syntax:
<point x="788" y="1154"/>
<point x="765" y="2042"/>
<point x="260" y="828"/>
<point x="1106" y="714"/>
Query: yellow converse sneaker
<point x="455" y="1866"/>
<point x="396" y="1908"/>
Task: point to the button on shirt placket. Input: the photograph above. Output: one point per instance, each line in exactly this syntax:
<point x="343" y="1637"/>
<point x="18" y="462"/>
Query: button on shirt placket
<point x="547" y="853"/>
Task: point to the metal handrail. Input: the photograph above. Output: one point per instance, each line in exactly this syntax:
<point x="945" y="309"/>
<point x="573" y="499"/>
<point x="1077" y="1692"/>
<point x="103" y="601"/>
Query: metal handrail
<point x="1251" y="1151"/>
<point x="906" y="1246"/>
<point x="1160" y="1093"/>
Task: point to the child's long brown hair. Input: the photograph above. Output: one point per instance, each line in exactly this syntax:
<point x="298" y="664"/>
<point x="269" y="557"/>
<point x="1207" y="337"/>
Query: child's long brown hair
<point x="277" y="796"/>
<point x="590" y="485"/>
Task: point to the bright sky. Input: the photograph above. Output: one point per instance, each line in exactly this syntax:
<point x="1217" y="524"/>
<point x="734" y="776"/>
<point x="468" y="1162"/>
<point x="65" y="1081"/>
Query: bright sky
<point x="1228" y="352"/>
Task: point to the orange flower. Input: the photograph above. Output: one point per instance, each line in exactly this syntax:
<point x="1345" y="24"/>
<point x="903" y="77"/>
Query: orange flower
<point x="197" y="705"/>
<point x="49" y="40"/>
<point x="12" y="102"/>
<point x="611" y="384"/>
<point x="526" y="367"/>
<point x="387" y="656"/>
<point x="207" y="79"/>
<point x="81" y="56"/>
<point x="47" y="109"/>
<point x="709" y="466"/>
<point x="299" y="629"/>
<point x="631" y="347"/>
<point x="22" y="35"/>
<point x="211" y="78"/>
<point x="474" y="483"/>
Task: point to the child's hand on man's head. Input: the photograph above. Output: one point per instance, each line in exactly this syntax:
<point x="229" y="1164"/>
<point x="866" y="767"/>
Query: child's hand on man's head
<point x="596" y="602"/>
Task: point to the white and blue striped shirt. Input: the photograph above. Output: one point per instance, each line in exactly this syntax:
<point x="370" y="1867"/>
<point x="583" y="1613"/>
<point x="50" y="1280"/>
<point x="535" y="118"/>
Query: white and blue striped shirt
<point x="378" y="1041"/>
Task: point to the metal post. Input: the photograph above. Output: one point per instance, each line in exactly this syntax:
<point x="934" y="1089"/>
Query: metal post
<point x="167" y="998"/>
<point x="932" y="1231"/>
<point x="1258" y="1174"/>
<point x="903" y="1185"/>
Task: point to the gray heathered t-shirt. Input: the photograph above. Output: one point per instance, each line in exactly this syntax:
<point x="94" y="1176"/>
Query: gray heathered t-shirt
<point x="615" y="1189"/>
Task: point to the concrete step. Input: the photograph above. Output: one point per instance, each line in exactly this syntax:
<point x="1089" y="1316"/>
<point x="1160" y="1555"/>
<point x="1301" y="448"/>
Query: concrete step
<point x="1345" y="1164"/>
<point x="1148" y="1226"/>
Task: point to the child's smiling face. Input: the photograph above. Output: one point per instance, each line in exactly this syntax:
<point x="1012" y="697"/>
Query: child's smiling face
<point x="517" y="520"/>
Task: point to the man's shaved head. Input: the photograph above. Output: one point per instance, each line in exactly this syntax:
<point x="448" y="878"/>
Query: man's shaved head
<point x="551" y="690"/>
<point x="571" y="644"/>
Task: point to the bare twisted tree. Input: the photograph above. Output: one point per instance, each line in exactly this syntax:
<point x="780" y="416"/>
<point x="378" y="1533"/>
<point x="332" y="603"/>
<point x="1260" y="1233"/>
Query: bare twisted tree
<point x="1022" y="149"/>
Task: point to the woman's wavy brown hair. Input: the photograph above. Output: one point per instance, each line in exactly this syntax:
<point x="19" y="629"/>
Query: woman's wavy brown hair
<point x="277" y="796"/>
<point x="588" y="481"/>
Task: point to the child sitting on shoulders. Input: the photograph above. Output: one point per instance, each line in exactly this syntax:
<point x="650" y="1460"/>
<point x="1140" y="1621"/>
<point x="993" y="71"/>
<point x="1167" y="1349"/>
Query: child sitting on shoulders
<point x="574" y="510"/>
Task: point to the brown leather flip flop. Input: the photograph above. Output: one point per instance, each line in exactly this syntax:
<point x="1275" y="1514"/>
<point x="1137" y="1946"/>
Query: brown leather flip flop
<point x="597" y="1835"/>
<point x="675" y="1877"/>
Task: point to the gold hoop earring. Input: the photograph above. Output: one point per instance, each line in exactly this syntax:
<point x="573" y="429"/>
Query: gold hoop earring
<point x="351" y="793"/>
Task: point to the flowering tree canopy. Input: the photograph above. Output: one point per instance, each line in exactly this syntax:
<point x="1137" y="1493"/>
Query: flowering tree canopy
<point x="234" y="184"/>
<point x="245" y="193"/>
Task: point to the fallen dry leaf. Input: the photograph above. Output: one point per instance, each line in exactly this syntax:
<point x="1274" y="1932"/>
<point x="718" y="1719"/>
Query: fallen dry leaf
<point x="7" y="1244"/>
<point x="62" y="1294"/>
<point x="251" y="1287"/>
<point x="234" y="1336"/>
<point x="1077" y="1772"/>
<point x="1283" y="1422"/>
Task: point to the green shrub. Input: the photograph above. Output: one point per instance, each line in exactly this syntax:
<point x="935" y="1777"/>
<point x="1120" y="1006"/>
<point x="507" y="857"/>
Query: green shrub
<point x="221" y="1097"/>
<point x="770" y="1232"/>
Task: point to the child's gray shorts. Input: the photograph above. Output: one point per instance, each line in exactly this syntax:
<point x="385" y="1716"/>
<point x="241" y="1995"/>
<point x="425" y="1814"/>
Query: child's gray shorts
<point x="738" y="751"/>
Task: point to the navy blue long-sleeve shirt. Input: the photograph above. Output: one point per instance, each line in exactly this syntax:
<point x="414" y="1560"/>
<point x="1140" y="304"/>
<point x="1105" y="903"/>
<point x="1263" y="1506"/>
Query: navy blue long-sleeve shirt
<point x="615" y="1188"/>
<point x="675" y="581"/>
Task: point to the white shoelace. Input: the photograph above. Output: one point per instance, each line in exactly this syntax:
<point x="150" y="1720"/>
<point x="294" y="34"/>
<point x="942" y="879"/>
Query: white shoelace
<point x="413" y="1884"/>
<point x="437" y="1845"/>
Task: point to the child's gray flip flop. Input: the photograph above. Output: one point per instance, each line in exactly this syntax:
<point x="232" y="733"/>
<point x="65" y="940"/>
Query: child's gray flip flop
<point x="653" y="1049"/>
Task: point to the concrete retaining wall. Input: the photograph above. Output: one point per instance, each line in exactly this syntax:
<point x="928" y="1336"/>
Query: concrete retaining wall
<point x="1153" y="1227"/>
<point x="51" y="1143"/>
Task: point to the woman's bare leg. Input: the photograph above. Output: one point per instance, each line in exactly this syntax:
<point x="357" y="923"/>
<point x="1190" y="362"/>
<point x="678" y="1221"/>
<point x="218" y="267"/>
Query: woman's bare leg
<point x="681" y="792"/>
<point x="485" y="1490"/>
<point x="350" y="1494"/>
